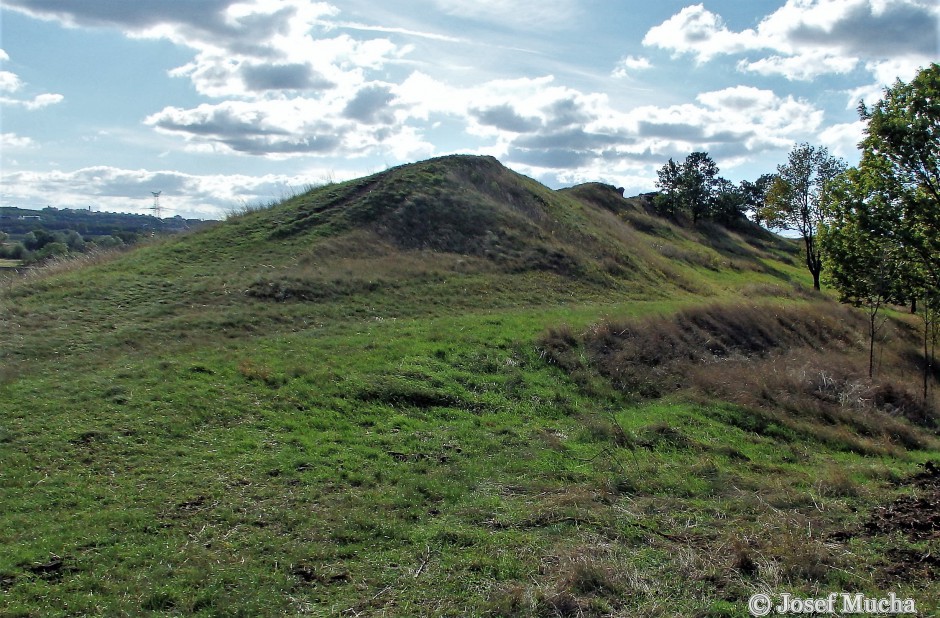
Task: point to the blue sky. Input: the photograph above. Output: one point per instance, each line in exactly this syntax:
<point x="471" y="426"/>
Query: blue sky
<point x="223" y="103"/>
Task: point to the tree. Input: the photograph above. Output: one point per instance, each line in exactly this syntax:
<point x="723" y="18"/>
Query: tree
<point x="754" y="194"/>
<point x="669" y="200"/>
<point x="799" y="196"/>
<point x="700" y="184"/>
<point x="51" y="250"/>
<point x="690" y="187"/>
<point x="16" y="251"/>
<point x="902" y="149"/>
<point x="902" y="145"/>
<point x="864" y="260"/>
<point x="74" y="240"/>
<point x="729" y="202"/>
<point x="37" y="239"/>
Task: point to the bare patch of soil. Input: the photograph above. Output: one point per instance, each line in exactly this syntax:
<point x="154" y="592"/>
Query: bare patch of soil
<point x="916" y="516"/>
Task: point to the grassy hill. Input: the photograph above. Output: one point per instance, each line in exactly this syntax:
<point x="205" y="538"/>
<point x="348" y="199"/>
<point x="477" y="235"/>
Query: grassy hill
<point x="446" y="389"/>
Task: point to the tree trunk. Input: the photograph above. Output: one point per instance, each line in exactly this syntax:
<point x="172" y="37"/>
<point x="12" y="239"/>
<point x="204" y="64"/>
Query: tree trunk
<point x="926" y="355"/>
<point x="813" y="259"/>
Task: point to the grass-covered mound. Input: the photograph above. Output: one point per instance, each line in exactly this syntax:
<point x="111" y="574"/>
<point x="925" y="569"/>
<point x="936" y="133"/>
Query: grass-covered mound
<point x="326" y="408"/>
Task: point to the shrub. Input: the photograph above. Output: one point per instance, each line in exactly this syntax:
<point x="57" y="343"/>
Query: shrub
<point x="559" y="346"/>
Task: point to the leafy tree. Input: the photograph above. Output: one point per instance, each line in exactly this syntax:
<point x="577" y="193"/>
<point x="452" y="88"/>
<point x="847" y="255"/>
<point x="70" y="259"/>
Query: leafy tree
<point x="108" y="242"/>
<point x="74" y="240"/>
<point x="902" y="146"/>
<point x="16" y="252"/>
<point x="864" y="260"/>
<point x="729" y="202"/>
<point x="700" y="182"/>
<point x="754" y="194"/>
<point x="50" y="250"/>
<point x="690" y="187"/>
<point x="37" y="239"/>
<point x="669" y="200"/>
<point x="799" y="196"/>
<point x="12" y="251"/>
<point x="902" y="149"/>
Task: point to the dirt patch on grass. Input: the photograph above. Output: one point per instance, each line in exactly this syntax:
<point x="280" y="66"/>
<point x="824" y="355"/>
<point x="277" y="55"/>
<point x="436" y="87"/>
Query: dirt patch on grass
<point x="917" y="517"/>
<point x="912" y="521"/>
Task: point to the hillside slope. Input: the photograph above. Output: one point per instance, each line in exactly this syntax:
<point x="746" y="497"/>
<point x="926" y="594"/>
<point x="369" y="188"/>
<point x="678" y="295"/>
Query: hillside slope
<point x="447" y="390"/>
<point x="464" y="231"/>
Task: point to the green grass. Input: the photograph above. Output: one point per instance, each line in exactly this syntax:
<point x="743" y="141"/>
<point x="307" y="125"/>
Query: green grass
<point x="399" y="443"/>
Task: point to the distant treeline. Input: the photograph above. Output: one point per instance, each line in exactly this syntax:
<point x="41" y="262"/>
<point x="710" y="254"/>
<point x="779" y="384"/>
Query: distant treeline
<point x="19" y="221"/>
<point x="32" y="236"/>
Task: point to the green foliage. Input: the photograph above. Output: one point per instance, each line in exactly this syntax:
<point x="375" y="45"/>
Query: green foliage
<point x="694" y="189"/>
<point x="864" y="259"/>
<point x="729" y="203"/>
<point x="799" y="198"/>
<point x="13" y="251"/>
<point x="33" y="232"/>
<point x="700" y="185"/>
<point x="690" y="187"/>
<point x="885" y="232"/>
<point x="669" y="202"/>
<point x="902" y="148"/>
<point x="754" y="194"/>
<point x="37" y="239"/>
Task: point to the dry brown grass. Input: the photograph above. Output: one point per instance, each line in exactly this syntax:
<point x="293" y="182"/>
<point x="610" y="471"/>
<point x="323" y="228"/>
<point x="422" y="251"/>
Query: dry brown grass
<point x="803" y="368"/>
<point x="57" y="265"/>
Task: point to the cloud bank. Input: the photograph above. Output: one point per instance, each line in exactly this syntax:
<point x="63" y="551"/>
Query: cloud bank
<point x="298" y="80"/>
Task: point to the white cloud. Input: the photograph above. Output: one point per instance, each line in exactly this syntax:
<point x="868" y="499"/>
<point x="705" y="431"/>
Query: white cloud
<point x="124" y="190"/>
<point x="810" y="38"/>
<point x="3" y="55"/>
<point x="732" y="122"/>
<point x="44" y="100"/>
<point x="854" y="27"/>
<point x="12" y="140"/>
<point x="843" y="139"/>
<point x="340" y="124"/>
<point x="433" y="36"/>
<point x="9" y="82"/>
<point x="806" y="66"/>
<point x="532" y="122"/>
<point x="905" y="68"/>
<point x="245" y="49"/>
<point x="739" y="99"/>
<point x="301" y="64"/>
<point x="629" y="65"/>
<point x="886" y="73"/>
<point x="37" y="102"/>
<point x="696" y="30"/>
<point x="538" y="125"/>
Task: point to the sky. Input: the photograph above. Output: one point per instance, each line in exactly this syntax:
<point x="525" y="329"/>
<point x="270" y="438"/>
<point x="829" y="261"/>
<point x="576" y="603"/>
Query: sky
<point x="222" y="104"/>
